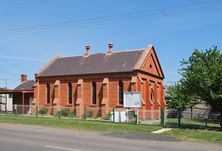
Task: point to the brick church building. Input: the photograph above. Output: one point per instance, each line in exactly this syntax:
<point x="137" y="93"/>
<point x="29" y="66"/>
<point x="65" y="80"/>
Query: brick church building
<point x="99" y="80"/>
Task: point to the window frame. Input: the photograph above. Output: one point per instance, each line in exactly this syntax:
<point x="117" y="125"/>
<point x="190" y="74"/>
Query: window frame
<point x="94" y="91"/>
<point x="70" y="91"/>
<point x="121" y="92"/>
<point x="48" y="101"/>
<point x="152" y="95"/>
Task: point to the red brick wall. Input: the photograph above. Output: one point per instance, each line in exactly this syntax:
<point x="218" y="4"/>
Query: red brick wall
<point x="147" y="78"/>
<point x="142" y="85"/>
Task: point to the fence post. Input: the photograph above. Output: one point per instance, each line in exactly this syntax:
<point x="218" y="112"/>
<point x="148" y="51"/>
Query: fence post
<point x="113" y="114"/>
<point x="36" y="111"/>
<point x="16" y="111"/>
<point x="205" y="119"/>
<point x="179" y="117"/>
<point x="191" y="112"/>
<point x="84" y="115"/>
<point x="59" y="112"/>
<point x="162" y="117"/>
<point x="137" y="115"/>
<point x="126" y="110"/>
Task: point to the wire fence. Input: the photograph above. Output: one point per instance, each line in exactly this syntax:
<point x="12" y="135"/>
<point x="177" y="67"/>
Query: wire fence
<point x="190" y="118"/>
<point x="199" y="118"/>
<point x="133" y="115"/>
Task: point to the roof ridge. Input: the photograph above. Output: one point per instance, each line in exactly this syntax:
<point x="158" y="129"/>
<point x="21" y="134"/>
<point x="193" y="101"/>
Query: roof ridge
<point x="80" y="55"/>
<point x="129" y="50"/>
<point x="114" y="51"/>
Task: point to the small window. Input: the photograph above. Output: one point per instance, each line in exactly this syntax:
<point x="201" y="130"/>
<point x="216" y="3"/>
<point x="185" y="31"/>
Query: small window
<point x="70" y="92"/>
<point x="94" y="93"/>
<point x="48" y="93"/>
<point x="121" y="92"/>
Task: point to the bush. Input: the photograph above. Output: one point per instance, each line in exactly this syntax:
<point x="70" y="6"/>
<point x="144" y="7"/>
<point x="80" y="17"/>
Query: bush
<point x="107" y="117"/>
<point x="89" y="113"/>
<point x="43" y="111"/>
<point x="71" y="114"/>
<point x="99" y="114"/>
<point x="56" y="114"/>
<point x="65" y="112"/>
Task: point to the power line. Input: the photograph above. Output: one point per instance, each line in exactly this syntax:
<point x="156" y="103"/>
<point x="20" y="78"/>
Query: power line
<point x="19" y="3"/>
<point x="117" y="18"/>
<point x="86" y="20"/>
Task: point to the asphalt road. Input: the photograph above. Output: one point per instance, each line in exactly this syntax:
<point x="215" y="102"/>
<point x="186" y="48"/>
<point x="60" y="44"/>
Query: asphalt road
<point x="35" y="138"/>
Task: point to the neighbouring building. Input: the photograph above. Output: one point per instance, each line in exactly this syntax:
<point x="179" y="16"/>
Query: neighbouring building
<point x="21" y="96"/>
<point x="99" y="81"/>
<point x="5" y="100"/>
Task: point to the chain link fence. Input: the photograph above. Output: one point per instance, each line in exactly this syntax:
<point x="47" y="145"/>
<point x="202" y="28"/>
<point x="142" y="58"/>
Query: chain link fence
<point x="199" y="118"/>
<point x="127" y="115"/>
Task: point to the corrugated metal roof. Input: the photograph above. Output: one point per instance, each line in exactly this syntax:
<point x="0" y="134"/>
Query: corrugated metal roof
<point x="123" y="61"/>
<point x="27" y="85"/>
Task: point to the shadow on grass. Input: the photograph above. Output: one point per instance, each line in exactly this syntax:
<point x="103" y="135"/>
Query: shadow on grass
<point x="212" y="125"/>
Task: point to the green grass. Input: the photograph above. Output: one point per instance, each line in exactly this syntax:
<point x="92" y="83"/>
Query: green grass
<point x="79" y="124"/>
<point x="192" y="123"/>
<point x="195" y="135"/>
<point x="82" y="125"/>
<point x="195" y="130"/>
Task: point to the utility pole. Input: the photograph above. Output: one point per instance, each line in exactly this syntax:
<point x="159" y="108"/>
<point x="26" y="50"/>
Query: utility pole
<point x="6" y="83"/>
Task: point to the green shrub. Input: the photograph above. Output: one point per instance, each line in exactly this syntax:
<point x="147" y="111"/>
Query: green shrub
<point x="56" y="114"/>
<point x="65" y="112"/>
<point x="71" y="114"/>
<point x="89" y="113"/>
<point x="107" y="117"/>
<point x="43" y="111"/>
<point x="99" y="114"/>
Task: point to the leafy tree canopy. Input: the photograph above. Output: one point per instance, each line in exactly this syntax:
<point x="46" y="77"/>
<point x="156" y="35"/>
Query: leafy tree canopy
<point x="202" y="76"/>
<point x="177" y="97"/>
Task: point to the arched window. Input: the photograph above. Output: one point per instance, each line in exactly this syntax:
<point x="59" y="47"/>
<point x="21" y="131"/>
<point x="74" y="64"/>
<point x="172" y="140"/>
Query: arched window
<point x="70" y="92"/>
<point x="120" y="92"/>
<point x="94" y="93"/>
<point x="151" y="95"/>
<point x="48" y="93"/>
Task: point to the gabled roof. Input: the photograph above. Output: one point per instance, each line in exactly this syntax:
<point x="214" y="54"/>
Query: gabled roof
<point x="27" y="85"/>
<point x="123" y="61"/>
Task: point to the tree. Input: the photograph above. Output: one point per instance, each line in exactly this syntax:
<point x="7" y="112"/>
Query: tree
<point x="177" y="98"/>
<point x="202" y="76"/>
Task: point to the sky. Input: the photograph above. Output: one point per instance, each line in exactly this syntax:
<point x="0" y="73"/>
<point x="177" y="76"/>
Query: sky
<point x="34" y="31"/>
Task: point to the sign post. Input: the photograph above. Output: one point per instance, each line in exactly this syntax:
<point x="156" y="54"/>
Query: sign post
<point x="132" y="100"/>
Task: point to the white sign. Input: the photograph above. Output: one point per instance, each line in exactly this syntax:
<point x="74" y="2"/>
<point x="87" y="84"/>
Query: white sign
<point x="132" y="99"/>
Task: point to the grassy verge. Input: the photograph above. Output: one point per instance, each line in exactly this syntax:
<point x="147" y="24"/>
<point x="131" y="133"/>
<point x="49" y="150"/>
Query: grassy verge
<point x="196" y="135"/>
<point x="193" y="123"/>
<point x="182" y="134"/>
<point x="79" y="124"/>
<point x="195" y="130"/>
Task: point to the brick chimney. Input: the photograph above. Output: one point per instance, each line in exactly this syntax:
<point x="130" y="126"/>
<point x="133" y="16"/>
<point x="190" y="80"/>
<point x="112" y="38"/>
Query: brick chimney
<point x="110" y="51"/>
<point x="23" y="77"/>
<point x="87" y="54"/>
